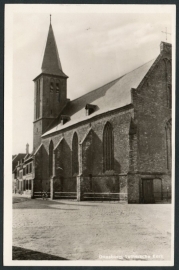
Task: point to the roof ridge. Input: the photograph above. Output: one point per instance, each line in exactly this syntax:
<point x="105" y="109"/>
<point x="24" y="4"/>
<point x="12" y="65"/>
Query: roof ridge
<point x="96" y="89"/>
<point x="112" y="81"/>
<point x="120" y="86"/>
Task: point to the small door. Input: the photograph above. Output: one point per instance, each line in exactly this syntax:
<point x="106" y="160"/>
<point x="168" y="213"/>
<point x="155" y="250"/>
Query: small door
<point x="148" y="191"/>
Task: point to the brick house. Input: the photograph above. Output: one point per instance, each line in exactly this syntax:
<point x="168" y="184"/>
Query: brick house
<point x="111" y="143"/>
<point x="22" y="173"/>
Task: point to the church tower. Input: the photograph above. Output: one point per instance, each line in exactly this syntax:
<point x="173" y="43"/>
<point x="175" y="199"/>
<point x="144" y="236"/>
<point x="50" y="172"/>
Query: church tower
<point x="50" y="91"/>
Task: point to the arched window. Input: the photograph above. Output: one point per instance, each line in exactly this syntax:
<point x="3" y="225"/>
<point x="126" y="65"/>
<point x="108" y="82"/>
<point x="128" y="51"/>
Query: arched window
<point x="169" y="96"/>
<point x="51" y="85"/>
<point x="51" y="158"/>
<point x="169" y="83"/>
<point x="168" y="144"/>
<point x="108" y="149"/>
<point x="75" y="163"/>
<point x="57" y="86"/>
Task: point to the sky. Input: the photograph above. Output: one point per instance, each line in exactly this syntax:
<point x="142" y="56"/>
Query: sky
<point x="95" y="47"/>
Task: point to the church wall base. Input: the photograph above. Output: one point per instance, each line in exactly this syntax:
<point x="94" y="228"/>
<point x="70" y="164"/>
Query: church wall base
<point x="133" y="188"/>
<point x="149" y="188"/>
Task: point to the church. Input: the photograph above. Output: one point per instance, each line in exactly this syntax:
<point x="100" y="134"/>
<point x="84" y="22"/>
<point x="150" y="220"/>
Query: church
<point x="113" y="143"/>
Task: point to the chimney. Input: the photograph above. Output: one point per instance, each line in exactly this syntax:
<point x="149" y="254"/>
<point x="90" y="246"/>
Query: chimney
<point x="27" y="148"/>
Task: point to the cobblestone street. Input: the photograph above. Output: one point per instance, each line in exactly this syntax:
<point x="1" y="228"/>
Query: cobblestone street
<point x="89" y="230"/>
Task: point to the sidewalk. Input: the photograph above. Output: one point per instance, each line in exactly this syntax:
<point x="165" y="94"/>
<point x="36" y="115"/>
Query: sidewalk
<point x="21" y="195"/>
<point x="17" y="198"/>
<point x="87" y="230"/>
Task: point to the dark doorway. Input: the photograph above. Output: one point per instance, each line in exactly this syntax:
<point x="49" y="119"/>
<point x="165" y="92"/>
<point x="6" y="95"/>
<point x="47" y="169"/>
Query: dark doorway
<point x="147" y="186"/>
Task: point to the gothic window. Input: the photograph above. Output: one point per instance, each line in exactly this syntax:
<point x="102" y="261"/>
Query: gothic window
<point x="75" y="164"/>
<point x="168" y="144"/>
<point x="108" y="149"/>
<point x="169" y="96"/>
<point x="51" y="158"/>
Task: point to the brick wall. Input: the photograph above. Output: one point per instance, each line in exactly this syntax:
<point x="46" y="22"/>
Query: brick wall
<point x="51" y="103"/>
<point x="152" y="113"/>
<point x="120" y="122"/>
<point x="41" y="180"/>
<point x="92" y="150"/>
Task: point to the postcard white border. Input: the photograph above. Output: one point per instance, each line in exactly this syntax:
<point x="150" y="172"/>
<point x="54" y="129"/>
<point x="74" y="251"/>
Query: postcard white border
<point x="10" y="9"/>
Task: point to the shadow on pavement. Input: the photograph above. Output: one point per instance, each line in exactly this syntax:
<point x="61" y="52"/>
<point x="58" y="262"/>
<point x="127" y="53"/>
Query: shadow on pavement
<point x="25" y="203"/>
<point x="19" y="200"/>
<point x="19" y="253"/>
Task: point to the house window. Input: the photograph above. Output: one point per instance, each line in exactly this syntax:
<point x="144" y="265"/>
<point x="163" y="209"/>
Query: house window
<point x="75" y="163"/>
<point x="26" y="184"/>
<point x="108" y="149"/>
<point x="50" y="158"/>
<point x="29" y="184"/>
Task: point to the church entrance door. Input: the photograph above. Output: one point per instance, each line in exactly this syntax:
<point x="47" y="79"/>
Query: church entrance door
<point x="148" y="195"/>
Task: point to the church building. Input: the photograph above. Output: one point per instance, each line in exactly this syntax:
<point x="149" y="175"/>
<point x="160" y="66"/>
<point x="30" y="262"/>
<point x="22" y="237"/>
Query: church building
<point x="113" y="143"/>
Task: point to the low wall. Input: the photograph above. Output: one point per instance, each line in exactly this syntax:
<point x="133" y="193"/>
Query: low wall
<point x="105" y="187"/>
<point x="65" y="184"/>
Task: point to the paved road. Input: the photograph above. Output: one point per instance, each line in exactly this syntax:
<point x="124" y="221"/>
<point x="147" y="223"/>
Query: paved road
<point x="89" y="230"/>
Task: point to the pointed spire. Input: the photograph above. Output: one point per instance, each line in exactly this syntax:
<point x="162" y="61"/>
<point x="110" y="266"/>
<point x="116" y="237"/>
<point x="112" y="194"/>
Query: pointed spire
<point x="51" y="61"/>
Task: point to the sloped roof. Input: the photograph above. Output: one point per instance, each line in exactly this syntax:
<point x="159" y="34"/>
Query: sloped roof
<point x="13" y="156"/>
<point x="28" y="157"/>
<point x="17" y="158"/>
<point x="51" y="61"/>
<point x="111" y="96"/>
<point x="58" y="143"/>
<point x="38" y="148"/>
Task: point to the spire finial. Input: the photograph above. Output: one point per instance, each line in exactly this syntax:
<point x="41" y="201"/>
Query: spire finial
<point x="167" y="33"/>
<point x="50" y="18"/>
